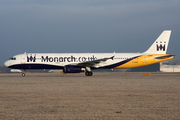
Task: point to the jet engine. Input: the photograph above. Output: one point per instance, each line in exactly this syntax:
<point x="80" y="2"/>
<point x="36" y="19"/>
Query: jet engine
<point x="73" y="69"/>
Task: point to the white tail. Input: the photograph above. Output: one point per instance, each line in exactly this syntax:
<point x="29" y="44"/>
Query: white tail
<point x="161" y="44"/>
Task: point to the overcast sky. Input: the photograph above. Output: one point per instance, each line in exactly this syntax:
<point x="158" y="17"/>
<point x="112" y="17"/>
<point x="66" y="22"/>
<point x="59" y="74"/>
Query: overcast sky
<point x="81" y="26"/>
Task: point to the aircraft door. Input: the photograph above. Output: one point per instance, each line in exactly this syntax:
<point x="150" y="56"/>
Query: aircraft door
<point x="23" y="58"/>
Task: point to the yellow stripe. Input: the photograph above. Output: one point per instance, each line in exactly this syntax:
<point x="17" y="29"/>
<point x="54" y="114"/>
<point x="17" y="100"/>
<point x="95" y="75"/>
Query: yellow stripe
<point x="144" y="60"/>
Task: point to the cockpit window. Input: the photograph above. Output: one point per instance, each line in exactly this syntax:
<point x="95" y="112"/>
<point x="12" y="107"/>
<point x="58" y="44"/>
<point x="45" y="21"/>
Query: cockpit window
<point x="13" y="58"/>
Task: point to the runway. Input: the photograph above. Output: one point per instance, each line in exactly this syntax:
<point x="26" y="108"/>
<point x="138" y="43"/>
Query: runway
<point x="103" y="96"/>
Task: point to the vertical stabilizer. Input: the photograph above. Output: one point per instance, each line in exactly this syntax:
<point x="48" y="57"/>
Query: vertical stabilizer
<point x="161" y="44"/>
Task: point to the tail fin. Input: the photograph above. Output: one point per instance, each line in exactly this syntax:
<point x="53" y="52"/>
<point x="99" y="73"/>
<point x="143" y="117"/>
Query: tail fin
<point x="161" y="44"/>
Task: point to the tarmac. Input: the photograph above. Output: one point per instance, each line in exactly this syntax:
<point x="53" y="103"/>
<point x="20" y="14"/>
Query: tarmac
<point x="103" y="96"/>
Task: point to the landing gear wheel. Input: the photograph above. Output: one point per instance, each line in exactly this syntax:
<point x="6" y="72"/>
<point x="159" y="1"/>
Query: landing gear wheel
<point x="88" y="73"/>
<point x="23" y="74"/>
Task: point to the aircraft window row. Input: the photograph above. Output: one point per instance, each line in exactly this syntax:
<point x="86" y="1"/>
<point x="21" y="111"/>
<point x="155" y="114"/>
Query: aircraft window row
<point x="13" y="58"/>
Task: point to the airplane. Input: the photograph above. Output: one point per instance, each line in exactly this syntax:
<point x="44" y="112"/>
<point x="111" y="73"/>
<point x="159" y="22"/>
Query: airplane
<point x="86" y="62"/>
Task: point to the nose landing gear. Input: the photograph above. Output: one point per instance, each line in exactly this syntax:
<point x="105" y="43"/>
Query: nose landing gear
<point x="23" y="73"/>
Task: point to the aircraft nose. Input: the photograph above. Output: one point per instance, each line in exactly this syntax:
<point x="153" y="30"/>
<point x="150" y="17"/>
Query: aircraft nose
<point x="6" y="63"/>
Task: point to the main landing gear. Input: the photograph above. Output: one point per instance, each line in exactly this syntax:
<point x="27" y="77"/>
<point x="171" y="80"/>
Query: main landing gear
<point x="88" y="71"/>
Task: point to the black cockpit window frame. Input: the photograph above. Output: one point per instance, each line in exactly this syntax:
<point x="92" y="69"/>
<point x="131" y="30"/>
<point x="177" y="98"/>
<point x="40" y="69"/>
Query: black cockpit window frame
<point x="13" y="58"/>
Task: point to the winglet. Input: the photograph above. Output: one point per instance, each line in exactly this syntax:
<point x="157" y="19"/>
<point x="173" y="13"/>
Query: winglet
<point x="112" y="57"/>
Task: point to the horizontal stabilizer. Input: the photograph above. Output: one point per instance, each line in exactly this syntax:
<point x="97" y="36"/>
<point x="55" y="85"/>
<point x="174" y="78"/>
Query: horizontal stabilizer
<point x="163" y="57"/>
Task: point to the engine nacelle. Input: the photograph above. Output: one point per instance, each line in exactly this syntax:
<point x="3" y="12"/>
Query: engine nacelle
<point x="73" y="69"/>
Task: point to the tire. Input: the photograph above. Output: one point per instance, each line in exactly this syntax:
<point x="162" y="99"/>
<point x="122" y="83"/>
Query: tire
<point x="88" y="73"/>
<point x="23" y="74"/>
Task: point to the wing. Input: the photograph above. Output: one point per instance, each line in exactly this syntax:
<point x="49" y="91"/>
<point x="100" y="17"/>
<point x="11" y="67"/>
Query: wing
<point x="93" y="63"/>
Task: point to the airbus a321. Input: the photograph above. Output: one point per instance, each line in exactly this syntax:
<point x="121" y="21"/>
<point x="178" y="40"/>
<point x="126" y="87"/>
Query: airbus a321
<point x="86" y="62"/>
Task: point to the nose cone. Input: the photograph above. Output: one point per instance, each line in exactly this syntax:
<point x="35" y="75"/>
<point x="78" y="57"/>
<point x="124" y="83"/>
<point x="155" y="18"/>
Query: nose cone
<point x="7" y="63"/>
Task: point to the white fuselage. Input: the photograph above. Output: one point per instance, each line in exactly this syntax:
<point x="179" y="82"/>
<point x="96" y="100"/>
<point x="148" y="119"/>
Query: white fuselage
<point x="58" y="61"/>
